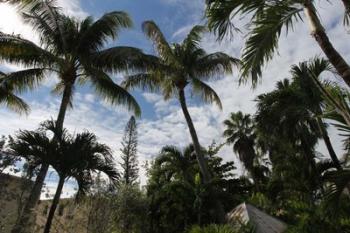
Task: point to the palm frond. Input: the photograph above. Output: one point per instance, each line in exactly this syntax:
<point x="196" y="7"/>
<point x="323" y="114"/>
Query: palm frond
<point x="111" y="92"/>
<point x="13" y="102"/>
<point x="263" y="39"/>
<point x="23" y="80"/>
<point x="120" y="59"/>
<point x="220" y="14"/>
<point x="347" y="12"/>
<point x="95" y="34"/>
<point x="194" y="37"/>
<point x="162" y="46"/>
<point x="339" y="180"/>
<point x="144" y="81"/>
<point x="206" y="93"/>
<point x="214" y="65"/>
<point x="15" y="49"/>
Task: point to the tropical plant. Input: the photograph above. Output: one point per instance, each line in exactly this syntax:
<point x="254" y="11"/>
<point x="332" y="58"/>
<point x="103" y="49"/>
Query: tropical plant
<point x="288" y="133"/>
<point x="7" y="91"/>
<point x="74" y="51"/>
<point x="240" y="132"/>
<point x="267" y="20"/>
<point x="77" y="157"/>
<point x="178" y="198"/>
<point x="181" y="65"/>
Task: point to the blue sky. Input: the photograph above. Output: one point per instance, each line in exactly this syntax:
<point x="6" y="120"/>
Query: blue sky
<point x="162" y="122"/>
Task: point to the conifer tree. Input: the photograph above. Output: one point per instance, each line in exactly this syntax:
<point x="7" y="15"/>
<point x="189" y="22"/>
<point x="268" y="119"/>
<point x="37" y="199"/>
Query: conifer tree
<point x="129" y="162"/>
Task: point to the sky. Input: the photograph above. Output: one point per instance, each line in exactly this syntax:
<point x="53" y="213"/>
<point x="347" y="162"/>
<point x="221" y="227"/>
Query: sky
<point x="162" y="123"/>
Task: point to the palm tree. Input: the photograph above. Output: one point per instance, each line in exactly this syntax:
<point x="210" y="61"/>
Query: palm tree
<point x="268" y="18"/>
<point x="77" y="157"/>
<point x="287" y="130"/>
<point x="74" y="51"/>
<point x="311" y="98"/>
<point x="240" y="132"/>
<point x="172" y="160"/>
<point x="182" y="65"/>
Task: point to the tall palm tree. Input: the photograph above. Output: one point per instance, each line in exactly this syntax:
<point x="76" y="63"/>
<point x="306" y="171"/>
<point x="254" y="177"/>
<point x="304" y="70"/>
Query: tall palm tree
<point x="268" y="18"/>
<point x="77" y="157"/>
<point x="240" y="132"/>
<point x="182" y="65"/>
<point x="311" y="99"/>
<point x="73" y="50"/>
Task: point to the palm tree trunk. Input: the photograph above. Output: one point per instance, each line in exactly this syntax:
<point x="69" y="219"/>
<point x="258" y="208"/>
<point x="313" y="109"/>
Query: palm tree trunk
<point x="197" y="148"/>
<point x="27" y="218"/>
<point x="328" y="143"/>
<point x="318" y="32"/>
<point x="199" y="155"/>
<point x="54" y="205"/>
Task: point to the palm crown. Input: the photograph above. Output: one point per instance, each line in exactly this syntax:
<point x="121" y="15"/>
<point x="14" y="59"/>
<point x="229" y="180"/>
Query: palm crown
<point x="182" y="64"/>
<point x="74" y="50"/>
<point x="76" y="156"/>
<point x="240" y="132"/>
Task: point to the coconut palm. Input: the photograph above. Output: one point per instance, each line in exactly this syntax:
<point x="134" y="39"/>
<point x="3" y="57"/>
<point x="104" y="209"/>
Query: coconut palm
<point x="77" y="157"/>
<point x="267" y="19"/>
<point x="183" y="65"/>
<point x="74" y="51"/>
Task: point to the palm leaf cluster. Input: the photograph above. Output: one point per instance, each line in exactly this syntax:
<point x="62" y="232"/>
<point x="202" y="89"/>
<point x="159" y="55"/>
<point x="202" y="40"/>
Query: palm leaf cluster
<point x="266" y="21"/>
<point x="74" y="50"/>
<point x="180" y="65"/>
<point x="72" y="156"/>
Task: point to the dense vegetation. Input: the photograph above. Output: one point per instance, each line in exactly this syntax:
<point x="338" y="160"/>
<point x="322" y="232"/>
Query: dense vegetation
<point x="188" y="189"/>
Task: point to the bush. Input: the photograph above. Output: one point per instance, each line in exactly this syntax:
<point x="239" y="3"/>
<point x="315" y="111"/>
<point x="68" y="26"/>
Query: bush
<point x="221" y="229"/>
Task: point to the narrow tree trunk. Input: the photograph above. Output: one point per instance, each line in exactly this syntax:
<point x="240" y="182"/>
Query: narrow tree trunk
<point x="328" y="143"/>
<point x="318" y="32"/>
<point x="197" y="148"/>
<point x="27" y="218"/>
<point x="54" y="205"/>
<point x="199" y="155"/>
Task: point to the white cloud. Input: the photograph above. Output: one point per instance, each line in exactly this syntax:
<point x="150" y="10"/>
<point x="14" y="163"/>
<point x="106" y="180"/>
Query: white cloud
<point x="169" y="126"/>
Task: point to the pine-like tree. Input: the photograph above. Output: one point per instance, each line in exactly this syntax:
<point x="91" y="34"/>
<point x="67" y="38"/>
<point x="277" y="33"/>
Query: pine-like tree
<point x="129" y="162"/>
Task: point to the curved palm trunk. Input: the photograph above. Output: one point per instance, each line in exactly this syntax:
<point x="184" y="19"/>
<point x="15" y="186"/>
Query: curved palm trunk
<point x="328" y="143"/>
<point x="54" y="205"/>
<point x="199" y="155"/>
<point x="197" y="148"/>
<point x="318" y="32"/>
<point x="27" y="218"/>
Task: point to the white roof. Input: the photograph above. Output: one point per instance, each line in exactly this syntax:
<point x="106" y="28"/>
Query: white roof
<point x="262" y="222"/>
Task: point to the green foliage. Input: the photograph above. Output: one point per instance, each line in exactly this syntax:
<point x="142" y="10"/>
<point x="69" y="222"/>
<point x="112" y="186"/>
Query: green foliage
<point x="221" y="229"/>
<point x="74" y="50"/>
<point x="78" y="156"/>
<point x="129" y="210"/>
<point x="180" y="65"/>
<point x="129" y="153"/>
<point x="178" y="198"/>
